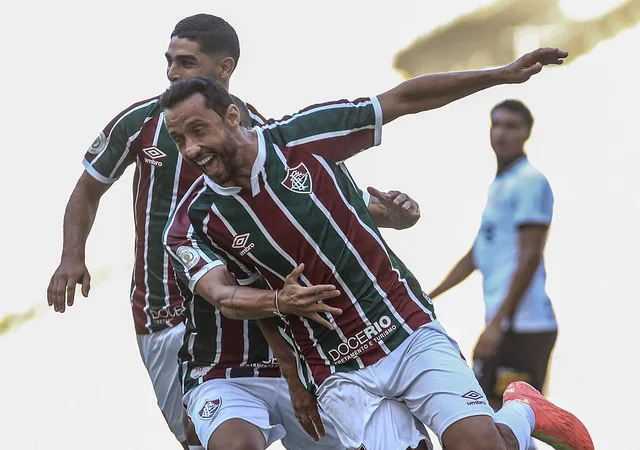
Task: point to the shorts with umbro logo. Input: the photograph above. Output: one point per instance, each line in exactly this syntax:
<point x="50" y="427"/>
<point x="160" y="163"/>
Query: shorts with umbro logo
<point x="426" y="377"/>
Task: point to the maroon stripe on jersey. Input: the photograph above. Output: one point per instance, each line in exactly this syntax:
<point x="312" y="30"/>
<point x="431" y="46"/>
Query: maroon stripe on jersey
<point x="232" y="345"/>
<point x="369" y="249"/>
<point x="255" y="112"/>
<point x="320" y="369"/>
<point x="371" y="252"/>
<point x="277" y="224"/>
<point x="115" y="120"/>
<point x="221" y="372"/>
<point x="333" y="148"/>
<point x="140" y="216"/>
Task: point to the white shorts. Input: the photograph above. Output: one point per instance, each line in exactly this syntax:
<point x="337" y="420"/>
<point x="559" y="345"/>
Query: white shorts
<point x="426" y="375"/>
<point x="159" y="352"/>
<point x="263" y="402"/>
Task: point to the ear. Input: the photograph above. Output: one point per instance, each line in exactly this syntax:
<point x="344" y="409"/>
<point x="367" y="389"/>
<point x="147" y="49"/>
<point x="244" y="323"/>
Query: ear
<point x="232" y="117"/>
<point x="226" y="66"/>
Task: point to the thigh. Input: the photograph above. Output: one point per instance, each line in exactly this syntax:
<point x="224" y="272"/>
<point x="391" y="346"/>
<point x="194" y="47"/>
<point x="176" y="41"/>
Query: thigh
<point x="363" y="418"/>
<point x="432" y="378"/>
<point x="296" y="437"/>
<point x="215" y="402"/>
<point x="159" y="353"/>
<point x="525" y="358"/>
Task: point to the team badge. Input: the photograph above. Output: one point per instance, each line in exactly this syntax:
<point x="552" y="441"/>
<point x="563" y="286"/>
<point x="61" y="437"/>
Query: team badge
<point x="298" y="179"/>
<point x="188" y="256"/>
<point x="210" y="409"/>
<point x="99" y="144"/>
<point x="198" y="372"/>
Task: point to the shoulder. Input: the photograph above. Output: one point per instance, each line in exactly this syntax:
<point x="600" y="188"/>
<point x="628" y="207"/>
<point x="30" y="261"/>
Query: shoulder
<point x="528" y="176"/>
<point x="136" y="114"/>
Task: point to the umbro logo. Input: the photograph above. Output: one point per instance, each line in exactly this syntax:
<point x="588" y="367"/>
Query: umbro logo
<point x="242" y="241"/>
<point x="474" y="397"/>
<point x="153" y="153"/>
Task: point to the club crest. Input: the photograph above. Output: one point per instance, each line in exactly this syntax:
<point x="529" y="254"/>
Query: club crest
<point x="210" y="409"/>
<point x="298" y="179"/>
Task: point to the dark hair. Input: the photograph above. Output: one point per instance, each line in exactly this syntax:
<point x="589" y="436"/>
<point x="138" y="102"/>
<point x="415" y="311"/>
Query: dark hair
<point x="214" y="35"/>
<point x="517" y="107"/>
<point x="216" y="96"/>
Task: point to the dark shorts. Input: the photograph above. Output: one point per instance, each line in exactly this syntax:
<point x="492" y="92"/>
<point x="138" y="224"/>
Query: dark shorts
<point x="520" y="357"/>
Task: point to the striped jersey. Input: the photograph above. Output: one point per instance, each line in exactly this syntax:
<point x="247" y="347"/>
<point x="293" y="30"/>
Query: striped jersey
<point x="138" y="135"/>
<point x="304" y="208"/>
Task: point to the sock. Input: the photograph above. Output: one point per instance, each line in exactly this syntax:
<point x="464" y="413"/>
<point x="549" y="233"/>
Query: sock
<point x="519" y="417"/>
<point x="196" y="447"/>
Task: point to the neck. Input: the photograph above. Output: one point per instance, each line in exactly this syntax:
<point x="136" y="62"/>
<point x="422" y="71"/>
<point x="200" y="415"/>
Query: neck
<point x="505" y="163"/>
<point x="247" y="152"/>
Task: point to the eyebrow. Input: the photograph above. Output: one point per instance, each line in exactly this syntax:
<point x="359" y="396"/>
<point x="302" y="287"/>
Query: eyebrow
<point x="181" y="57"/>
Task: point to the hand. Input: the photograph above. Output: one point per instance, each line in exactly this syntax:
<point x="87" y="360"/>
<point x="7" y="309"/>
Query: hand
<point x="402" y="211"/>
<point x="488" y="342"/>
<point x="63" y="283"/>
<point x="531" y="63"/>
<point x="307" y="301"/>
<point x="305" y="407"/>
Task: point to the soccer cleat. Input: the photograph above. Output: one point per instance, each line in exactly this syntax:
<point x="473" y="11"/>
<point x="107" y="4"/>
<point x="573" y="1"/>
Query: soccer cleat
<point x="554" y="426"/>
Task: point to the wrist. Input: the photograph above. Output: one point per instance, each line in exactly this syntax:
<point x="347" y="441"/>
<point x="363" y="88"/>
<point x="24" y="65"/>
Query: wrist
<point x="72" y="255"/>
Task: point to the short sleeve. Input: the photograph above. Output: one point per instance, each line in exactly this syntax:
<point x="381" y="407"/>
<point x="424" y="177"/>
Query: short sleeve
<point x="110" y="153"/>
<point x="533" y="201"/>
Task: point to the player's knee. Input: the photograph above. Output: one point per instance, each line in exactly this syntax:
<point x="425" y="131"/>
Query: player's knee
<point x="236" y="434"/>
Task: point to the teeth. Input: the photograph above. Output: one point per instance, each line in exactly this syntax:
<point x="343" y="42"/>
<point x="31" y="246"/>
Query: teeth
<point x="205" y="160"/>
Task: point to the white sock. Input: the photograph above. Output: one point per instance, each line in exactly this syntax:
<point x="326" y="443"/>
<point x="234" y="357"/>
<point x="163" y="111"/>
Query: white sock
<point x="196" y="447"/>
<point x="520" y="418"/>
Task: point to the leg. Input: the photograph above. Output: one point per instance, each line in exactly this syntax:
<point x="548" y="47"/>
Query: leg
<point x="159" y="353"/>
<point x="237" y="434"/>
<point x="370" y="421"/>
<point x="234" y="413"/>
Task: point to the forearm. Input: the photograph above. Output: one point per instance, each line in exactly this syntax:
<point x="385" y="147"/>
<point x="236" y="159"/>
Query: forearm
<point x="238" y="302"/>
<point x="520" y="281"/>
<point x="79" y="216"/>
<point x="433" y="91"/>
<point x="281" y="349"/>
<point x="458" y="274"/>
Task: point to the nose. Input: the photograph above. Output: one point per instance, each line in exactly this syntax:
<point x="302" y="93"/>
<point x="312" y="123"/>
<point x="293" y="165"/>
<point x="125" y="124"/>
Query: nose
<point x="172" y="73"/>
<point x="191" y="150"/>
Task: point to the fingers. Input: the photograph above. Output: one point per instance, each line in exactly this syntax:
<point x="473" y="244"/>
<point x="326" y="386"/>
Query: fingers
<point x="377" y="194"/>
<point x="321" y="320"/>
<point x="314" y="415"/>
<point x="86" y="284"/>
<point x="295" y="274"/>
<point x="71" y="293"/>
<point x="307" y="423"/>
<point x="50" y="292"/>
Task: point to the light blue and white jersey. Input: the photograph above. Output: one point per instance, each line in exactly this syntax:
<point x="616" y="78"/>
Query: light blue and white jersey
<point x="520" y="195"/>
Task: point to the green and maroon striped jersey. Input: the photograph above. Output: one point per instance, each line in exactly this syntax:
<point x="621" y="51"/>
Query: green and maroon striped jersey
<point x="138" y="135"/>
<point x="303" y="208"/>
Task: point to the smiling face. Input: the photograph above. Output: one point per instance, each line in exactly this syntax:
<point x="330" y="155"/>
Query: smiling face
<point x="204" y="138"/>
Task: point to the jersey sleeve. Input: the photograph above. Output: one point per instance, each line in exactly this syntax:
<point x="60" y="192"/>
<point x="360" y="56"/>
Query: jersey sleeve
<point x="193" y="254"/>
<point x="110" y="154"/>
<point x="335" y="131"/>
<point x="533" y="201"/>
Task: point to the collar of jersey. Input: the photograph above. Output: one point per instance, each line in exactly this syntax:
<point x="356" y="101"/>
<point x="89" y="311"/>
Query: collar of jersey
<point x="258" y="164"/>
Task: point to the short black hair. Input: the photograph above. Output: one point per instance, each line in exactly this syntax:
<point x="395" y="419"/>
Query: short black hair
<point x="214" y="35"/>
<point x="216" y="96"/>
<point x="517" y="107"/>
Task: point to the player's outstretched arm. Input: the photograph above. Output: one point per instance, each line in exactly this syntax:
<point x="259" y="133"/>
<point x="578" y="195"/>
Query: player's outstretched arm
<point x="304" y="403"/>
<point x="393" y="209"/>
<point x="433" y="91"/>
<point x="78" y="219"/>
<point x="220" y="289"/>
<point x="458" y="274"/>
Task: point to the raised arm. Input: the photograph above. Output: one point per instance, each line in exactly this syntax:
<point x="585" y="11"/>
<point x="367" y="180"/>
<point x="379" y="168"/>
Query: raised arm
<point x="458" y="274"/>
<point x="433" y="91"/>
<point x="78" y="219"/>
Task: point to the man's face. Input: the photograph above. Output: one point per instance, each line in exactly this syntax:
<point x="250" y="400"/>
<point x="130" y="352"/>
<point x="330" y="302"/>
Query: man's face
<point x="185" y="60"/>
<point x="203" y="138"/>
<point x="509" y="132"/>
